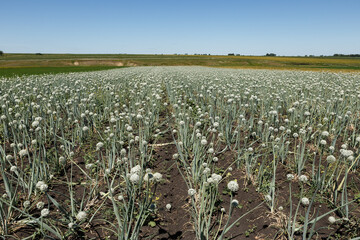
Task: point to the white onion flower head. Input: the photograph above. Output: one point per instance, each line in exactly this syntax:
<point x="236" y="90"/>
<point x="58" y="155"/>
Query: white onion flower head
<point x="23" y="152"/>
<point x="136" y="169"/>
<point x="62" y="160"/>
<point x="99" y="145"/>
<point x="332" y="219"/>
<point x="45" y="212"/>
<point x="268" y="197"/>
<point x="303" y="178"/>
<point x="35" y="124"/>
<point x="216" y="177"/>
<point x="234" y="202"/>
<point x="134" y="178"/>
<point x="13" y="168"/>
<point x="346" y="153"/>
<point x="40" y="205"/>
<point x="203" y="142"/>
<point x="233" y="186"/>
<point x="39" y="183"/>
<point x="168" y="206"/>
<point x="82" y="215"/>
<point x="120" y="197"/>
<point x="330" y="159"/>
<point x="305" y="201"/>
<point x="43" y="187"/>
<point x="325" y="133"/>
<point x="26" y="204"/>
<point x="191" y="192"/>
<point x="148" y="177"/>
<point x="157" y="176"/>
<point x="290" y="177"/>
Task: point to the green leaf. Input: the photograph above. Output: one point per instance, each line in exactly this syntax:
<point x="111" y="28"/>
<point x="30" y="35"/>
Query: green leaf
<point x="152" y="224"/>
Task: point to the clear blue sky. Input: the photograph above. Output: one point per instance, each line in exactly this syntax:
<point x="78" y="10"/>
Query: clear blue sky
<point x="256" y="27"/>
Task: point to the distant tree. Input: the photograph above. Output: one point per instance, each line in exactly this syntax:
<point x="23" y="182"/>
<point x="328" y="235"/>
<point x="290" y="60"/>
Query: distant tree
<point x="38" y="53"/>
<point x="270" y="55"/>
<point x="1" y="53"/>
<point x="231" y="54"/>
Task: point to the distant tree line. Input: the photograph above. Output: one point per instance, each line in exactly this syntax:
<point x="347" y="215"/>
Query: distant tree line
<point x="1" y="53"/>
<point x="346" y="55"/>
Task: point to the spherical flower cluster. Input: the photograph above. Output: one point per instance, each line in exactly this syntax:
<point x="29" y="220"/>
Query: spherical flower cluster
<point x="303" y="178"/>
<point x="40" y="205"/>
<point x="191" y="192"/>
<point x="203" y="142"/>
<point x="23" y="152"/>
<point x="62" y="160"/>
<point x="35" y="124"/>
<point x="168" y="206"/>
<point x="71" y="225"/>
<point x="134" y="178"/>
<point x="290" y="177"/>
<point x="268" y="197"/>
<point x="157" y="177"/>
<point x="346" y="153"/>
<point x="330" y="159"/>
<point x="42" y="186"/>
<point x="45" y="212"/>
<point x="332" y="219"/>
<point x="305" y="201"/>
<point x="136" y="169"/>
<point x="148" y="177"/>
<point x="26" y="204"/>
<point x="234" y="202"/>
<point x="233" y="186"/>
<point x="82" y="215"/>
<point x="13" y="169"/>
<point x="325" y="133"/>
<point x="99" y="145"/>
<point x="215" y="178"/>
<point x="323" y="142"/>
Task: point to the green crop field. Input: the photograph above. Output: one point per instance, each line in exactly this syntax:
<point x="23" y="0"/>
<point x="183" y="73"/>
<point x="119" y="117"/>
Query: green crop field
<point x="20" y="64"/>
<point x="180" y="153"/>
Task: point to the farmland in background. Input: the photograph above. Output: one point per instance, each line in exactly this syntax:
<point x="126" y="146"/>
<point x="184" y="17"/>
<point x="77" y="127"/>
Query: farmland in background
<point x="19" y="64"/>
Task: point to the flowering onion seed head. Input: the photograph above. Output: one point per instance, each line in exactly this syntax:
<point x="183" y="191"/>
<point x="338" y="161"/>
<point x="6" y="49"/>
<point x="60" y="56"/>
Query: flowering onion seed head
<point x="330" y="159"/>
<point x="191" y="192"/>
<point x="82" y="215"/>
<point x="45" y="212"/>
<point x="305" y="201"/>
<point x="233" y="186"/>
